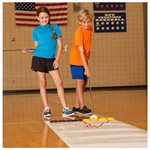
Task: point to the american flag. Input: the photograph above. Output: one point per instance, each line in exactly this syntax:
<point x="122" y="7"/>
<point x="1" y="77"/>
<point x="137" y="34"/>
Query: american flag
<point x="25" y="13"/>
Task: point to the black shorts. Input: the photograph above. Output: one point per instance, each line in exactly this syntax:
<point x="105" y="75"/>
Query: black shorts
<point x="42" y="64"/>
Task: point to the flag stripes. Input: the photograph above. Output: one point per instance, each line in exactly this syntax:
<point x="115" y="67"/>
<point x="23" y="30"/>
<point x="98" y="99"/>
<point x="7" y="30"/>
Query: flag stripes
<point x="25" y="13"/>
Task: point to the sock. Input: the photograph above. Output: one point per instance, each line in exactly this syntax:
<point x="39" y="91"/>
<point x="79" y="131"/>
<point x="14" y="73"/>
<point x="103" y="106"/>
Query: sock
<point x="66" y="108"/>
<point x="47" y="107"/>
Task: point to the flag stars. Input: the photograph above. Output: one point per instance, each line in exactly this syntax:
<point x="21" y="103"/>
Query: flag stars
<point x="25" y="6"/>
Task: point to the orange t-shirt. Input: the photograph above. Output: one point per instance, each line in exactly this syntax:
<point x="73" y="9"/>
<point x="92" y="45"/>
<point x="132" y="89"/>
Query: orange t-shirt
<point x="82" y="37"/>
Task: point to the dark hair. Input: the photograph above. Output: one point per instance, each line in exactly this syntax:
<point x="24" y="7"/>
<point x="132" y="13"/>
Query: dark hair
<point x="45" y="10"/>
<point x="42" y="9"/>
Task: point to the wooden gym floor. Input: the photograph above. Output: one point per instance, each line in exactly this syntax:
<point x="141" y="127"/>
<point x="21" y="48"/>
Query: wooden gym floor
<point x="23" y="126"/>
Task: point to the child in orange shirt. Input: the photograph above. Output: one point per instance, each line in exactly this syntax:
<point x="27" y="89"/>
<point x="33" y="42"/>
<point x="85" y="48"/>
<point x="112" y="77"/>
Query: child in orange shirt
<point x="79" y="55"/>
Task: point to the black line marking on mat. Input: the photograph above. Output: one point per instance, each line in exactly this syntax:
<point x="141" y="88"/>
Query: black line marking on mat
<point x="55" y="121"/>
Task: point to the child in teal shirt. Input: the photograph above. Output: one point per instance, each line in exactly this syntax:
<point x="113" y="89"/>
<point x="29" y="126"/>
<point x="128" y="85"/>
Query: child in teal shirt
<point x="48" y="48"/>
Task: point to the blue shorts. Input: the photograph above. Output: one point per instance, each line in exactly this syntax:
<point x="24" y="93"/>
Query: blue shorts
<point x="77" y="72"/>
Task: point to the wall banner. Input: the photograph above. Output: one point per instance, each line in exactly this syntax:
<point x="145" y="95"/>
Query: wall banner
<point x="110" y="22"/>
<point x="109" y="6"/>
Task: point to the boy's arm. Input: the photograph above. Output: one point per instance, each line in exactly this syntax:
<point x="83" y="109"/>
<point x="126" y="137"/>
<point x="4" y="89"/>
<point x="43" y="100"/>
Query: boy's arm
<point x="59" y="52"/>
<point x="87" y="71"/>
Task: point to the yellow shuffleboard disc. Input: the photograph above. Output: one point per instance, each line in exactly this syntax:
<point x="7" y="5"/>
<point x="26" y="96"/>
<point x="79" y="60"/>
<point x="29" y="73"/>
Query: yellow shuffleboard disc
<point x="99" y="119"/>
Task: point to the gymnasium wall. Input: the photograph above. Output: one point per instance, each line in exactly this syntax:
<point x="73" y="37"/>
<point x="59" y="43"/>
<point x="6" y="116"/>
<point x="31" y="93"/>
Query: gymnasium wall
<point x="117" y="59"/>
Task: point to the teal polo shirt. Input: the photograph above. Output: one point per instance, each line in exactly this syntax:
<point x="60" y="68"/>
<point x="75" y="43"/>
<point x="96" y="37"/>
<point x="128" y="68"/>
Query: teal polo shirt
<point x="47" y="46"/>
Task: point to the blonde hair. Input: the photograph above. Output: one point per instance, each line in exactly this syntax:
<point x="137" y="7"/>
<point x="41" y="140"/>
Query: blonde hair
<point x="84" y="15"/>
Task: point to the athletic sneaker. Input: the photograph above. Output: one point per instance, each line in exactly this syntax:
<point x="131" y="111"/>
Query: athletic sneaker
<point x="85" y="110"/>
<point x="67" y="112"/>
<point x="47" y="113"/>
<point x="75" y="109"/>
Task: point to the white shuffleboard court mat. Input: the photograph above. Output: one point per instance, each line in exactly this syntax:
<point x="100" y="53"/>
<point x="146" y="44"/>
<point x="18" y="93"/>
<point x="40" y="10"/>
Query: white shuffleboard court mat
<point x="114" y="134"/>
